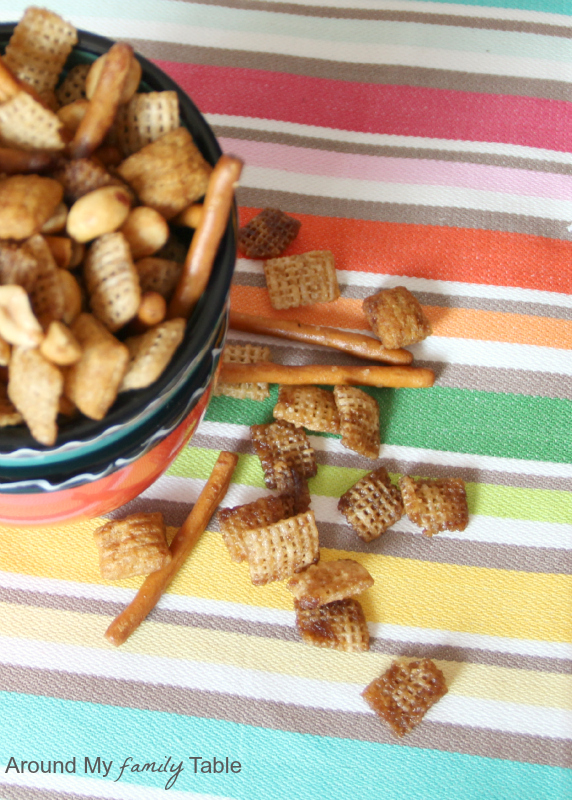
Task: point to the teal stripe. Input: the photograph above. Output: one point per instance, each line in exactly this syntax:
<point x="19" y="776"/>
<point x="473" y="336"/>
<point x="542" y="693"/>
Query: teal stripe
<point x="286" y="766"/>
<point x="456" y="420"/>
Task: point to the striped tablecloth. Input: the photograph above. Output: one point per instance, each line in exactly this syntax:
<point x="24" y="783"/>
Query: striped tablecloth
<point x="427" y="145"/>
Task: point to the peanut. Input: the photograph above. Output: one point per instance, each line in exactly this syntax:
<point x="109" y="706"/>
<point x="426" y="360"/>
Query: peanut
<point x="101" y="211"/>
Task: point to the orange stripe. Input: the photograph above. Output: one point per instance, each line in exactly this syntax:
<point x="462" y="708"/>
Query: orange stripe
<point x="457" y="323"/>
<point x="437" y="253"/>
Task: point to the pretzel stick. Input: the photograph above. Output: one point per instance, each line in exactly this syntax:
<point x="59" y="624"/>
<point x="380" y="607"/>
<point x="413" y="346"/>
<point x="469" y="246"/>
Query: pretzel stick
<point x="204" y="244"/>
<point x="187" y="536"/>
<point x="104" y="103"/>
<point x="267" y="372"/>
<point x="357" y="344"/>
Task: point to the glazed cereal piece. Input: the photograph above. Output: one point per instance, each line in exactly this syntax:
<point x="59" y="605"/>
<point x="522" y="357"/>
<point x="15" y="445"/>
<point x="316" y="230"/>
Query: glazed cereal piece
<point x="27" y="125"/>
<point x="47" y="295"/>
<point x="308" y="406"/>
<point x="291" y="483"/>
<point x="435" y="505"/>
<point x="34" y="387"/>
<point x="329" y="581"/>
<point x="396" y="317"/>
<point x="339" y="625"/>
<point x="258" y="514"/>
<point x="244" y="354"/>
<point x="145" y="118"/>
<point x="268" y="234"/>
<point x="151" y="352"/>
<point x="82" y="176"/>
<point x="136" y="545"/>
<point x="405" y="693"/>
<point x="112" y="280"/>
<point x="359" y="420"/>
<point x="282" y="441"/>
<point x="372" y="505"/>
<point x="275" y="552"/>
<point x="301" y="280"/>
<point x="26" y="203"/>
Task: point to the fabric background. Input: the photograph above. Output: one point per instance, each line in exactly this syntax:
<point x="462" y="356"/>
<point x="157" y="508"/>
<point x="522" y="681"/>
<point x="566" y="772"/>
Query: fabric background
<point x="427" y="145"/>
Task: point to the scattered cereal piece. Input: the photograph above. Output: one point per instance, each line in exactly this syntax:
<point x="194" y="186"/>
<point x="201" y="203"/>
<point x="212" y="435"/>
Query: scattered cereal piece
<point x="435" y="505"/>
<point x="308" y="406"/>
<point x="301" y="280"/>
<point x="282" y="441"/>
<point x="268" y="234"/>
<point x="359" y="420"/>
<point x="340" y="625"/>
<point x="405" y="693"/>
<point x="396" y="317"/>
<point x="244" y="354"/>
<point x="258" y="514"/>
<point x="136" y="545"/>
<point x="329" y="581"/>
<point x="372" y="505"/>
<point x="290" y="482"/>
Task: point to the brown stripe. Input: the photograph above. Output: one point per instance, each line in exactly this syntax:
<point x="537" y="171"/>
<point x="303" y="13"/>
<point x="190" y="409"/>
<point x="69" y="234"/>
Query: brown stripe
<point x="362" y="73"/>
<point x="29" y="793"/>
<point x="332" y="145"/>
<point x="393" y="16"/>
<point x="403" y="213"/>
<point x="283" y="716"/>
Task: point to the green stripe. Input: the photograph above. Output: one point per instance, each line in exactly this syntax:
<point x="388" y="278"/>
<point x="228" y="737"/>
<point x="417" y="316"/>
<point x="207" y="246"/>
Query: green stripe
<point x="490" y="500"/>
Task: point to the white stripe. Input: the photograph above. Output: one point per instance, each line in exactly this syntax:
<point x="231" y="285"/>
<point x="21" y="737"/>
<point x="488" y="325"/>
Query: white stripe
<point x="387" y="139"/>
<point x="380" y="280"/>
<point x="405" y="194"/>
<point x="418" y="455"/>
<point x="271" y="616"/>
<point x="274" y="687"/>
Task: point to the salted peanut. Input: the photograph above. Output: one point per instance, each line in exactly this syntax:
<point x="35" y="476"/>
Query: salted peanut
<point x="435" y="505"/>
<point x="372" y="505"/>
<point x="72" y="114"/>
<point x="282" y="441"/>
<point x="152" y="309"/>
<point x="151" y="353"/>
<point x="302" y="280"/>
<point x="277" y="551"/>
<point x="131" y="82"/>
<point x="27" y="124"/>
<point x="18" y="325"/>
<point x="84" y="175"/>
<point x="72" y="87"/>
<point x="18" y="162"/>
<point x="329" y="581"/>
<point x="60" y="345"/>
<point x="309" y="407"/>
<point x="340" y="625"/>
<point x="290" y="482"/>
<point x="61" y="248"/>
<point x="18" y="265"/>
<point x="5" y="351"/>
<point x="168" y="174"/>
<point x="258" y="514"/>
<point x="39" y="47"/>
<point x="9" y="415"/>
<point x="244" y="354"/>
<point x="136" y="545"/>
<point x="57" y="222"/>
<point x="145" y="118"/>
<point x="26" y="203"/>
<point x="35" y="386"/>
<point x="92" y="383"/>
<point x="268" y="234"/>
<point x="405" y="693"/>
<point x="191" y="216"/>
<point x="112" y="281"/>
<point x="47" y="294"/>
<point x="73" y="300"/>
<point x="158" y="275"/>
<point x="396" y="317"/>
<point x="145" y="230"/>
<point x="359" y="420"/>
<point x="99" y="212"/>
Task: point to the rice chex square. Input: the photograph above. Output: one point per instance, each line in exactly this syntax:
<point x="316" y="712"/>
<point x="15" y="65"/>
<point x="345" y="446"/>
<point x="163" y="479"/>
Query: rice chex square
<point x="435" y="505"/>
<point x="359" y="420"/>
<point x="340" y="625"/>
<point x="244" y="354"/>
<point x="308" y="406"/>
<point x="258" y="514"/>
<point x="329" y="581"/>
<point x="396" y="317"/>
<point x="372" y="505"/>
<point x="302" y="280"/>
<point x="268" y="234"/>
<point x="282" y="441"/>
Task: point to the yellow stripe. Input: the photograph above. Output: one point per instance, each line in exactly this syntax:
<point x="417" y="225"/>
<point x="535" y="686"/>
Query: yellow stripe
<point x="494" y="602"/>
<point x="278" y="657"/>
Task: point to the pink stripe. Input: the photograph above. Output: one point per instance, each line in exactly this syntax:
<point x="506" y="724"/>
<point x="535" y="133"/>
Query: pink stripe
<point x="374" y="108"/>
<point x="400" y="170"/>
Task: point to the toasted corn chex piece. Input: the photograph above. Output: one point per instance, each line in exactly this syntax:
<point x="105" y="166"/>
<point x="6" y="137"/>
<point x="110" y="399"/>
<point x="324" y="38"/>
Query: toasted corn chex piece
<point x="112" y="281"/>
<point x="169" y="174"/>
<point x="151" y="352"/>
<point x="277" y="551"/>
<point x="9" y="415"/>
<point x="268" y="234"/>
<point x="290" y="482"/>
<point x="136" y="545"/>
<point x="340" y="625"/>
<point x="258" y="514"/>
<point x="18" y="325"/>
<point x="92" y="382"/>
<point x="405" y="693"/>
<point x="26" y="203"/>
<point x="372" y="505"/>
<point x="27" y="125"/>
<point x="82" y="176"/>
<point x="359" y="420"/>
<point x="35" y="386"/>
<point x="329" y="581"/>
<point x="47" y="295"/>
<point x="145" y="118"/>
<point x="396" y="317"/>
<point x="301" y="280"/>
<point x="435" y="505"/>
<point x="39" y="47"/>
<point x="17" y="265"/>
<point x="308" y="406"/>
<point x="72" y="87"/>
<point x="60" y="345"/>
<point x="282" y="441"/>
<point x="244" y="354"/>
<point x="158" y="275"/>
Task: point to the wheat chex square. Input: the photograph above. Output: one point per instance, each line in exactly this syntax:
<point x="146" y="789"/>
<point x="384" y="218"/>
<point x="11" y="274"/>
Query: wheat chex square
<point x="359" y="420"/>
<point x="340" y="625"/>
<point x="282" y="441"/>
<point x="396" y="317"/>
<point x="302" y="280"/>
<point x="372" y="505"/>
<point x="435" y="505"/>
<point x="258" y="514"/>
<point x="329" y="581"/>
<point x="308" y="406"/>
<point x="136" y="545"/>
<point x="268" y="234"/>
